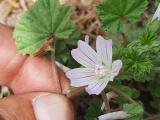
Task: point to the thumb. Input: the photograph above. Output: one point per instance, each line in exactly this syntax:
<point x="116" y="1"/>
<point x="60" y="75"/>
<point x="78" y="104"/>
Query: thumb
<point x="36" y="106"/>
<point x="49" y="107"/>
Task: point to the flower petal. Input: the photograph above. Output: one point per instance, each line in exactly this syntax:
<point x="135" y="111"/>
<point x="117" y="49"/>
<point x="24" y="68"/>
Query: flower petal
<point x="116" y="66"/>
<point x="85" y="55"/>
<point x="114" y="116"/>
<point x="104" y="49"/>
<point x="80" y="73"/>
<point x="87" y="51"/>
<point x="81" y="58"/>
<point x="79" y="82"/>
<point x="96" y="87"/>
<point x="81" y="76"/>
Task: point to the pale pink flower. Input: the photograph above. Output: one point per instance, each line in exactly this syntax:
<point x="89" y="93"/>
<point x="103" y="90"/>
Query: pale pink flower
<point x="98" y="68"/>
<point x="157" y="14"/>
<point x="114" y="116"/>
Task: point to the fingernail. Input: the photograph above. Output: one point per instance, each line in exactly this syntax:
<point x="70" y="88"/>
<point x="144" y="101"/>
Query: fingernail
<point x="52" y="107"/>
<point x="39" y="112"/>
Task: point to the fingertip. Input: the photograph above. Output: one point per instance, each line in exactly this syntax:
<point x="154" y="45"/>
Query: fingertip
<point x="49" y="106"/>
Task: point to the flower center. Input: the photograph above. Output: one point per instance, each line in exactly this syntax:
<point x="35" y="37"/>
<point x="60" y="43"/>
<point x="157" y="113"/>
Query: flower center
<point x="100" y="71"/>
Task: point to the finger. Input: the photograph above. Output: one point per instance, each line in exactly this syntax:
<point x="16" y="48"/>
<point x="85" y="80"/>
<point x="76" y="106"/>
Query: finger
<point x="35" y="75"/>
<point x="25" y="74"/>
<point x="63" y="80"/>
<point x="40" y="106"/>
<point x="10" y="60"/>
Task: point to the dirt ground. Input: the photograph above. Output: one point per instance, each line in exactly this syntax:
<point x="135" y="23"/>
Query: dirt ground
<point x="10" y="10"/>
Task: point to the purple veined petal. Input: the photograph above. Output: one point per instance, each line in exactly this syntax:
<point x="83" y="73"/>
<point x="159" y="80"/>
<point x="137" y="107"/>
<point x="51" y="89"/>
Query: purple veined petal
<point x="88" y="51"/>
<point x="81" y="76"/>
<point x="114" y="116"/>
<point x="96" y="87"/>
<point x="79" y="82"/>
<point x="80" y="73"/>
<point x="82" y="58"/>
<point x="116" y="66"/>
<point x="104" y="49"/>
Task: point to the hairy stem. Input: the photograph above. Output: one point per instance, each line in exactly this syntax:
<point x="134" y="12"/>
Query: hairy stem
<point x="106" y="101"/>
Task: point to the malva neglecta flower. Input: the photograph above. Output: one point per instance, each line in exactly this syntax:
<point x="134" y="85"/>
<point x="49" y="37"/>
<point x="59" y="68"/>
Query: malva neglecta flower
<point x="157" y="14"/>
<point x="98" y="68"/>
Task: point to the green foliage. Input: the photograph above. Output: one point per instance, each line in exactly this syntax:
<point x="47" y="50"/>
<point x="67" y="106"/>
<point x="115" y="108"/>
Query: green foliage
<point x="131" y="32"/>
<point x="156" y="103"/>
<point x="148" y="37"/>
<point x="63" y="48"/>
<point x="74" y="37"/>
<point x="154" y="88"/>
<point x="44" y="19"/>
<point x="140" y="55"/>
<point x="137" y="64"/>
<point x="115" y="12"/>
<point x="93" y="110"/>
<point x="118" y="51"/>
<point x="134" y="110"/>
<point x="63" y="55"/>
<point x="130" y="91"/>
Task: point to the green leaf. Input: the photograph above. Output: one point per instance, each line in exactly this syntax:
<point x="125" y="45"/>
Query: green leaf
<point x="114" y="12"/>
<point x="129" y="32"/>
<point x="73" y="39"/>
<point x="93" y="110"/>
<point x="134" y="110"/>
<point x="44" y="19"/>
<point x="137" y="63"/>
<point x="63" y="49"/>
<point x="150" y="33"/>
<point x="148" y="37"/>
<point x="62" y="52"/>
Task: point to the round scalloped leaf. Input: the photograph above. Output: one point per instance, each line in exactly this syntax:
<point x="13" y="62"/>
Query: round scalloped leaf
<point x="114" y="12"/>
<point x="44" y="19"/>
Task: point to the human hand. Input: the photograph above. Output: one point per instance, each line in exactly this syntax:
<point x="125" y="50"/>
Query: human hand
<point x="36" y="106"/>
<point x="24" y="74"/>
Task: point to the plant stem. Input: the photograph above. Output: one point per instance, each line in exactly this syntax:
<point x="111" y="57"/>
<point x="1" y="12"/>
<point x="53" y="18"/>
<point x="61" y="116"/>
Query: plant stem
<point x="52" y="43"/>
<point x="106" y="101"/>
<point x="125" y="38"/>
<point x="153" y="117"/>
<point x="121" y="94"/>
